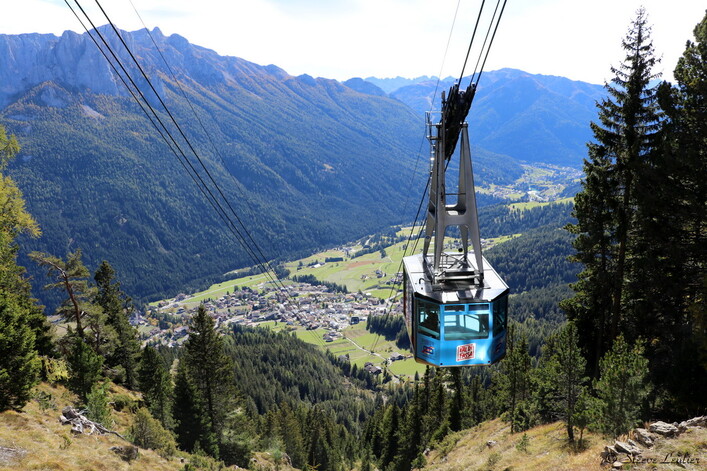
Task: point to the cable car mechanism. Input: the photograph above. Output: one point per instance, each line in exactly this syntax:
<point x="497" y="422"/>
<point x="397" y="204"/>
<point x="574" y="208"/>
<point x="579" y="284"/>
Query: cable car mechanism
<point x="455" y="304"/>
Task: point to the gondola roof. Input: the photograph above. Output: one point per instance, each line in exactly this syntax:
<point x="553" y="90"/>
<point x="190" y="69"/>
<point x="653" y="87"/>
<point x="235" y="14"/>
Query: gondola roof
<point x="454" y="292"/>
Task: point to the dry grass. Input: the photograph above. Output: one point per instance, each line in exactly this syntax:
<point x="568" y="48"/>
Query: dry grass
<point x="40" y="442"/>
<point x="548" y="449"/>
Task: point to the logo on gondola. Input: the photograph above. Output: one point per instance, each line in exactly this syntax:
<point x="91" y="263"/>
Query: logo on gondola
<point x="428" y="350"/>
<point x="466" y="352"/>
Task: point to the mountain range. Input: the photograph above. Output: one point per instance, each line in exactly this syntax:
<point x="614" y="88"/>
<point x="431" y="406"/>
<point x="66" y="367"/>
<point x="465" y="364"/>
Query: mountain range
<point x="305" y="162"/>
<point x="532" y="118"/>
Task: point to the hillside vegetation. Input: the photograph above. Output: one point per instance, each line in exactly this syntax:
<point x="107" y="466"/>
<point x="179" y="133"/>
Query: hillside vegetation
<point x="35" y="440"/>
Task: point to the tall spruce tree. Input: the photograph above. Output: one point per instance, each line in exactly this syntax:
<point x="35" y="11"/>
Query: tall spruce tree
<point x="561" y="379"/>
<point x="210" y="370"/>
<point x="513" y="380"/>
<point x="192" y="427"/>
<point x="625" y="139"/>
<point x="19" y="364"/>
<point x="676" y="238"/>
<point x="117" y="308"/>
<point x="155" y="382"/>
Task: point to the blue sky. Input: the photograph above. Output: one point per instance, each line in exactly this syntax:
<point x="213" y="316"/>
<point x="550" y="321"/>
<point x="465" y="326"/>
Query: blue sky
<point x="341" y="39"/>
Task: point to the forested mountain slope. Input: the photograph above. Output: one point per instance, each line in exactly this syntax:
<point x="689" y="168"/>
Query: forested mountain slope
<point x="305" y="162"/>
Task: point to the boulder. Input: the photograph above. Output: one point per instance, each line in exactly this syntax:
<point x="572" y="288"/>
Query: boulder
<point x="694" y="422"/>
<point x="665" y="429"/>
<point x="698" y="421"/>
<point x="624" y="447"/>
<point x="644" y="437"/>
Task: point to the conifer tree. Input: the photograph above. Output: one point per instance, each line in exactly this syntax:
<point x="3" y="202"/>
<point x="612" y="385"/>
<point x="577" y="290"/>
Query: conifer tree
<point x="19" y="364"/>
<point x="622" y="387"/>
<point x="457" y="406"/>
<point x="156" y="385"/>
<point x="117" y="307"/>
<point x="210" y="369"/>
<point x="291" y="434"/>
<point x="676" y="238"/>
<point x="192" y="427"/>
<point x="410" y="438"/>
<point x="513" y="380"/>
<point x="23" y="327"/>
<point x="391" y="424"/>
<point x="562" y="371"/>
<point x="15" y="221"/>
<point x="70" y="276"/>
<point x="436" y="421"/>
<point x="625" y="139"/>
<point x="85" y="366"/>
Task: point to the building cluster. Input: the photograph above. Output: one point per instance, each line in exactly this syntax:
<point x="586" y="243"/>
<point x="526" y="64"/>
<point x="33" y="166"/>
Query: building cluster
<point x="299" y="304"/>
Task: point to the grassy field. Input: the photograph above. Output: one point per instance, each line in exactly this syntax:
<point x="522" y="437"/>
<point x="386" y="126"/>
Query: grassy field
<point x="360" y="345"/>
<point x="360" y="274"/>
<point x="220" y="289"/>
<point x="536" y="204"/>
<point x="357" y="274"/>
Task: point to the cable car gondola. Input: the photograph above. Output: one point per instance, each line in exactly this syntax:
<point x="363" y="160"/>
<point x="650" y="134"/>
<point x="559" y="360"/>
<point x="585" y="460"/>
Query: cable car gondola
<point x="455" y="303"/>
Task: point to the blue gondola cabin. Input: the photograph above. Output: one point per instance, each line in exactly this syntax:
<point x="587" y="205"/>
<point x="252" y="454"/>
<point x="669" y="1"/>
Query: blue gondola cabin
<point x="459" y="324"/>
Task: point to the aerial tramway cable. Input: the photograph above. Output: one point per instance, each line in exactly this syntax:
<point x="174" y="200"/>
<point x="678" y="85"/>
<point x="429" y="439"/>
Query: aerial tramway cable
<point x="258" y="258"/>
<point x="217" y="151"/>
<point x="263" y="261"/>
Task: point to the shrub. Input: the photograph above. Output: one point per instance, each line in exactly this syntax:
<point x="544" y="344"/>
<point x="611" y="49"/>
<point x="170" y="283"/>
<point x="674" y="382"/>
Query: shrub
<point x="148" y="432"/>
<point x="123" y="401"/>
<point x="54" y="370"/>
<point x="97" y="404"/>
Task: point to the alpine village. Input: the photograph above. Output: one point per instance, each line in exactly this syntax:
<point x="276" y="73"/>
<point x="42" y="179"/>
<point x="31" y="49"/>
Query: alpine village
<point x="207" y="264"/>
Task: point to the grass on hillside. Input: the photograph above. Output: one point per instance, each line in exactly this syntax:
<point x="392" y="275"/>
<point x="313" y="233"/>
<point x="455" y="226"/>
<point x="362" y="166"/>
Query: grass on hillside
<point x="44" y="444"/>
<point x="546" y="448"/>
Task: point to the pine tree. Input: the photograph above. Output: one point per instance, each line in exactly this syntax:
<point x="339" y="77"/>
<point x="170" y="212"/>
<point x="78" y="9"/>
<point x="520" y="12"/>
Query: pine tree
<point x="23" y="326"/>
<point x="85" y="366"/>
<point x="19" y="364"/>
<point x="391" y="425"/>
<point x="675" y="229"/>
<point x="117" y="307"/>
<point x="210" y="369"/>
<point x="513" y="380"/>
<point x="156" y="385"/>
<point x="457" y="406"/>
<point x="625" y="138"/>
<point x="291" y="434"/>
<point x="562" y="371"/>
<point x="410" y="437"/>
<point x="622" y="387"/>
<point x="192" y="427"/>
<point x="70" y="276"/>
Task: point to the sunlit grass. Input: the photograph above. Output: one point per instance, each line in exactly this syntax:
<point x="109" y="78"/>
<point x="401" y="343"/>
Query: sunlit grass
<point x="48" y="445"/>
